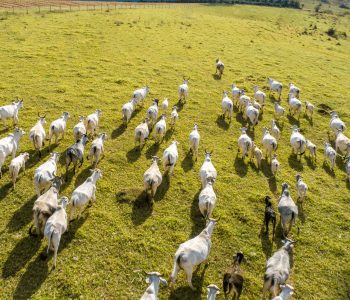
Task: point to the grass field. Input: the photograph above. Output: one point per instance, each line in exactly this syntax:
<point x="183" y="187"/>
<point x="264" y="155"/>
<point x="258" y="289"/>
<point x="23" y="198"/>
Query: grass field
<point x="81" y="61"/>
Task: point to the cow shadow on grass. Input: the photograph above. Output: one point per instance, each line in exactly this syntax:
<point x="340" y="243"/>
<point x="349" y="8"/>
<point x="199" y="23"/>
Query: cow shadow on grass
<point x="162" y="189"/>
<point x="19" y="256"/>
<point x="117" y="132"/>
<point x="180" y="104"/>
<point x="301" y="215"/>
<point x="185" y="292"/>
<point x="22" y="216"/>
<point x="198" y="221"/>
<point x="216" y="76"/>
<point x="240" y="119"/>
<point x="241" y="167"/>
<point x="187" y="163"/>
<point x="152" y="150"/>
<point x="36" y="273"/>
<point x="328" y="169"/>
<point x="141" y="207"/>
<point x="133" y="154"/>
<point x="5" y="189"/>
<point x="222" y="123"/>
<point x="169" y="134"/>
<point x="82" y="176"/>
<point x="38" y="270"/>
<point x="295" y="163"/>
<point x="292" y="120"/>
<point x="311" y="163"/>
<point x="266" y="242"/>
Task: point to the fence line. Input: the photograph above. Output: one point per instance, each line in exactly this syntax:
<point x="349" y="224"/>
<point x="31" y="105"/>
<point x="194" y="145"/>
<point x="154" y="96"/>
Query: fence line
<point x="12" y="6"/>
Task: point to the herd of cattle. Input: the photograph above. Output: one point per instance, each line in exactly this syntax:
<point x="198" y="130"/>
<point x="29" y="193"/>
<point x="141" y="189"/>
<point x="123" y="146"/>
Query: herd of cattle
<point x="49" y="210"/>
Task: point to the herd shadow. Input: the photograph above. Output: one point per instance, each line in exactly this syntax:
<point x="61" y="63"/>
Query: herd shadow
<point x="187" y="163"/>
<point x="152" y="150"/>
<point x="133" y="154"/>
<point x="292" y="120"/>
<point x="22" y="216"/>
<point x="311" y="163"/>
<point x="38" y="270"/>
<point x="295" y="163"/>
<point x="328" y="169"/>
<point x="221" y="122"/>
<point x="301" y="214"/>
<point x="24" y="250"/>
<point x="162" y="189"/>
<point x="266" y="242"/>
<point x="241" y="167"/>
<point x="117" y="132"/>
<point x="5" y="189"/>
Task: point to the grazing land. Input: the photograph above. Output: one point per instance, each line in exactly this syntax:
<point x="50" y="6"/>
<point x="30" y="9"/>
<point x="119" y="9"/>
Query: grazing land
<point x="80" y="61"/>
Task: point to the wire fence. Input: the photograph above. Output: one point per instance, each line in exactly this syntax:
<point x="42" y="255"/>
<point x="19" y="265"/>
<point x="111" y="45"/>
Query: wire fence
<point x="13" y="6"/>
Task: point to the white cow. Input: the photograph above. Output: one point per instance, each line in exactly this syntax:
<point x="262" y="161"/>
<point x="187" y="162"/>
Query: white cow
<point x="275" y="165"/>
<point x="55" y="226"/>
<point x="207" y="170"/>
<point x="244" y="142"/>
<point x="174" y="116"/>
<point x="295" y="105"/>
<point x="193" y="252"/>
<point x="194" y="140"/>
<point x="142" y="132"/>
<point x="85" y="192"/>
<point x="165" y="105"/>
<point x="10" y="111"/>
<point x="93" y="121"/>
<point x="183" y="90"/>
<point x="219" y="67"/>
<point x="153" y="279"/>
<point x="97" y="149"/>
<point x="227" y="106"/>
<point x="236" y="92"/>
<point x="336" y="123"/>
<point x="269" y="142"/>
<point x="207" y="199"/>
<point x="9" y="145"/>
<point x="152" y="112"/>
<point x="127" y="110"/>
<point x="170" y="157"/>
<point x="45" y="173"/>
<point x="79" y="129"/>
<point x="141" y="94"/>
<point x="16" y="165"/>
<point x="160" y="129"/>
<point x="213" y="290"/>
<point x="37" y="134"/>
<point x="152" y="178"/>
<point x="275" y="131"/>
<point x="330" y="154"/>
<point x="260" y="96"/>
<point x="297" y="141"/>
<point x="294" y="90"/>
<point x="301" y="187"/>
<point x="58" y="127"/>
<point x="279" y="110"/>
<point x="342" y="143"/>
<point x="275" y="86"/>
<point x="286" y="293"/>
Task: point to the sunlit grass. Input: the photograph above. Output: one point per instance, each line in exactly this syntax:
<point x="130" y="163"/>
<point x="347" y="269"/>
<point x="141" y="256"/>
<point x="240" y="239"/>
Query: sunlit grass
<point x="81" y="61"/>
